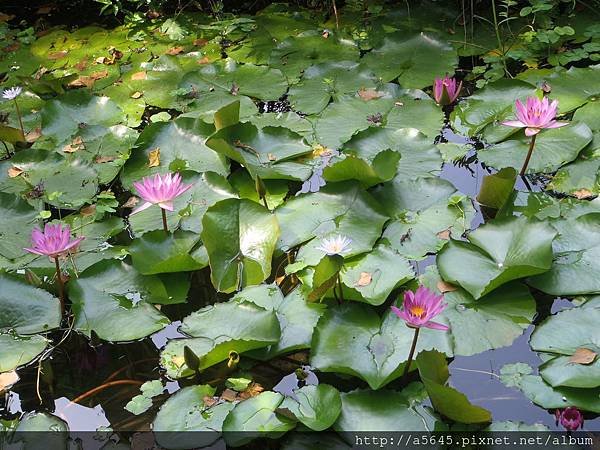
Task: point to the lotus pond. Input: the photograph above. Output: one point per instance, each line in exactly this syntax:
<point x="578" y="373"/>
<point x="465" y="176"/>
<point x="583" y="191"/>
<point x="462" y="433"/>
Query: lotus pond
<point x="372" y="217"/>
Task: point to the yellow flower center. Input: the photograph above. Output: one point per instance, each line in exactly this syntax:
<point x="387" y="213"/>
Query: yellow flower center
<point x="417" y="311"/>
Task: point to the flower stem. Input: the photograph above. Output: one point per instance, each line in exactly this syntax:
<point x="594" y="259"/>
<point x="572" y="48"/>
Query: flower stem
<point x="339" y="282"/>
<point x="410" y="356"/>
<point x="264" y="199"/>
<point x="526" y="163"/>
<point x="61" y="286"/>
<point x="164" y="220"/>
<point x="19" y="117"/>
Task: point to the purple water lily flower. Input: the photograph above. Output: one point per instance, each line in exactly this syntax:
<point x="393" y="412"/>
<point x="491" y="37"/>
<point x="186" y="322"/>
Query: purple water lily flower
<point x="445" y="90"/>
<point x="420" y="307"/>
<point x="54" y="241"/>
<point x="535" y="115"/>
<point x="570" y="418"/>
<point x="159" y="190"/>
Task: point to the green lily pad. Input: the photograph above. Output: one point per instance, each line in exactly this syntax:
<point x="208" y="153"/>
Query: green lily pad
<point x="500" y="251"/>
<point x="254" y="418"/>
<point x="19" y="350"/>
<point x="572" y="88"/>
<point x="267" y="152"/>
<point x="369" y="173"/>
<point x="25" y="309"/>
<point x="317" y="407"/>
<point x="110" y="296"/>
<point x="414" y="60"/>
<point x="159" y="252"/>
<point x="38" y="430"/>
<point x="261" y="82"/>
<point x="181" y="147"/>
<point x="559" y="337"/>
<point x="240" y="237"/>
<point x="385" y="410"/>
<point x="372" y="277"/>
<point x="17" y="219"/>
<point x="276" y="190"/>
<point x="218" y="329"/>
<point x="553" y="148"/>
<point x="520" y="376"/>
<point x="184" y="421"/>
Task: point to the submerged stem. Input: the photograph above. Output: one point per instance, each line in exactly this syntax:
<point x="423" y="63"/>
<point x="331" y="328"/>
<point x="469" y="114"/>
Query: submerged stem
<point x="528" y="157"/>
<point x="410" y="355"/>
<point x="164" y="220"/>
<point x="61" y="286"/>
<point x="339" y="283"/>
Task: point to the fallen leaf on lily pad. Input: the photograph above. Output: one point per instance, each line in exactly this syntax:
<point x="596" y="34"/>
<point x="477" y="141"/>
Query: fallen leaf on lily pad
<point x="174" y="51"/>
<point x="251" y="391"/>
<point x="200" y="42"/>
<point x="89" y="210"/>
<point x="14" y="171"/>
<point x="369" y="94"/>
<point x="582" y="194"/>
<point x="229" y="395"/>
<point x="104" y="159"/>
<point x="136" y="94"/>
<point x="444" y="287"/>
<point x="210" y="401"/>
<point x="444" y="234"/>
<point x="77" y="144"/>
<point x="57" y="55"/>
<point x="204" y="60"/>
<point x="365" y="279"/>
<point x="33" y="135"/>
<point x="154" y="158"/>
<point x="583" y="356"/>
<point x="138" y="76"/>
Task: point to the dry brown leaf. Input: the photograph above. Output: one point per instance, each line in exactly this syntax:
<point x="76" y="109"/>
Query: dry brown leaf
<point x="583" y="356"/>
<point x="271" y="157"/>
<point x="204" y="60"/>
<point x="131" y="202"/>
<point x="444" y="234"/>
<point x="83" y="81"/>
<point x="582" y="194"/>
<point x="279" y="280"/>
<point x="252" y="390"/>
<point x="7" y="380"/>
<point x="200" y="42"/>
<point x="100" y="59"/>
<point x="136" y="94"/>
<point x="154" y="158"/>
<point x="74" y="146"/>
<point x="99" y="75"/>
<point x="89" y="210"/>
<point x="81" y="65"/>
<point x="209" y="401"/>
<point x="365" y="279"/>
<point x="105" y="159"/>
<point x="174" y="51"/>
<point x="444" y="287"/>
<point x="138" y="76"/>
<point x="369" y="94"/>
<point x="14" y="171"/>
<point x="229" y="395"/>
<point x="57" y="55"/>
<point x="33" y="135"/>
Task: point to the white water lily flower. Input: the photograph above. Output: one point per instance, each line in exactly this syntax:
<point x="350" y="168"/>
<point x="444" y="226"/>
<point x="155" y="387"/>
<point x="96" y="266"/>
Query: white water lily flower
<point x="12" y="93"/>
<point x="336" y="245"/>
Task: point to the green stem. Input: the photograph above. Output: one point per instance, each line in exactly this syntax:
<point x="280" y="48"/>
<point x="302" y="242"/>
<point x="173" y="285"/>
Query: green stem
<point x="164" y="220"/>
<point x="410" y="356"/>
<point x="339" y="282"/>
<point x="61" y="286"/>
<point x="19" y="117"/>
<point x="529" y="153"/>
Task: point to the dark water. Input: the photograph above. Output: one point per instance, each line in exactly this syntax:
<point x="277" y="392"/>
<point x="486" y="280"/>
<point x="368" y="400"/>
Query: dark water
<point x="76" y="368"/>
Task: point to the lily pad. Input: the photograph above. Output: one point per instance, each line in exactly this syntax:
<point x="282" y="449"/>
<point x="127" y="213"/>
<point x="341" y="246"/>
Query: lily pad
<point x="184" y="421"/>
<point x="240" y="237"/>
<point x="219" y="329"/>
<point x="110" y="296"/>
<point x="498" y="252"/>
<point x="317" y="407"/>
<point x="19" y="350"/>
<point x="254" y="418"/>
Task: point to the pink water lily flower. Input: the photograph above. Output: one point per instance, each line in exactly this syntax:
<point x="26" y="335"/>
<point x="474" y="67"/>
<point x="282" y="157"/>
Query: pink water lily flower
<point x="535" y="115"/>
<point x="159" y="190"/>
<point x="570" y="418"/>
<point x="445" y="90"/>
<point x="54" y="241"/>
<point x="420" y="307"/>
